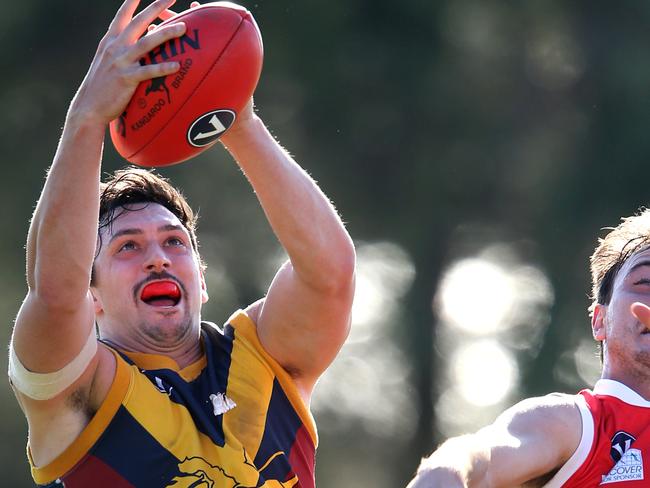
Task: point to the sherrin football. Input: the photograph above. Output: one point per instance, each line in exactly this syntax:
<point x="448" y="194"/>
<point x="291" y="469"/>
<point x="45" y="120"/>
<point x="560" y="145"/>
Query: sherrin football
<point x="173" y="118"/>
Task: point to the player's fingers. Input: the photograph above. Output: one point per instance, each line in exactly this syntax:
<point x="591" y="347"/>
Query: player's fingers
<point x="157" y="37"/>
<point x="123" y="16"/>
<point x="166" y="14"/>
<point x="150" y="71"/>
<point x="642" y="312"/>
<point x="140" y="22"/>
<point x="194" y="4"/>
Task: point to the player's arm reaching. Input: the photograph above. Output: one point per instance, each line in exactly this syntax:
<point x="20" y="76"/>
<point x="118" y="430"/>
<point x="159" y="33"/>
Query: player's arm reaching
<point x="56" y="319"/>
<point x="523" y="447"/>
<point x="305" y="316"/>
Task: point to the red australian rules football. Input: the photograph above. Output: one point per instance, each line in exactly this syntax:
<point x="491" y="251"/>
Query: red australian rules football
<point x="173" y="118"/>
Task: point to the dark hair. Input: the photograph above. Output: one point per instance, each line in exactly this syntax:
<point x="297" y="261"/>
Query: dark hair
<point x="613" y="250"/>
<point x="139" y="186"/>
<point x="619" y="244"/>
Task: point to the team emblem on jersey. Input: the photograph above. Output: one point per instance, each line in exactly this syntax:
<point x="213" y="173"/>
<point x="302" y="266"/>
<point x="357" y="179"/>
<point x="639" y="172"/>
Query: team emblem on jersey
<point x="629" y="462"/>
<point x="196" y="472"/>
<point x="621" y="442"/>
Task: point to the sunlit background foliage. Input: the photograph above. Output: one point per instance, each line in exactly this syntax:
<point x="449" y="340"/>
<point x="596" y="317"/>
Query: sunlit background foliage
<point x="475" y="150"/>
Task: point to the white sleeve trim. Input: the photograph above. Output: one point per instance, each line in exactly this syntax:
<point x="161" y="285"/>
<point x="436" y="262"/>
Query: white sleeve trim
<point x="582" y="451"/>
<point x="43" y="386"/>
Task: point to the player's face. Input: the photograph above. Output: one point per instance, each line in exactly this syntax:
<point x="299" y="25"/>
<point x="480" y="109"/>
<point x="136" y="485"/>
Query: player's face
<point x="149" y="287"/>
<point x="627" y="339"/>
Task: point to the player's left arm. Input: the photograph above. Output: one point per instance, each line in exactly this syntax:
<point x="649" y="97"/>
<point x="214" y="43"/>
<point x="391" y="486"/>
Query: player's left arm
<point x="305" y="317"/>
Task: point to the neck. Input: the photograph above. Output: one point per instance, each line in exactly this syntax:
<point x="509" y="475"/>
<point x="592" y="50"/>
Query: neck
<point x="183" y="350"/>
<point x="633" y="379"/>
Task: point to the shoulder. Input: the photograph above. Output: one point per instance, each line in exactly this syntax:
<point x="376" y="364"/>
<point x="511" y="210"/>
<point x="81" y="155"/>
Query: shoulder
<point x="555" y="411"/>
<point x="552" y="403"/>
<point x="254" y="309"/>
<point x="531" y="440"/>
<point x="553" y="422"/>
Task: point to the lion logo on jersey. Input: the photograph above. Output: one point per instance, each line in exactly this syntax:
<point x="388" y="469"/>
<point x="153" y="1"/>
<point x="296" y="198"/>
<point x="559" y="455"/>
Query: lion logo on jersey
<point x="196" y="472"/>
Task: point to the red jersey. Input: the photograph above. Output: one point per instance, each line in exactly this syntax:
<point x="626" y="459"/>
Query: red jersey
<point x="615" y="444"/>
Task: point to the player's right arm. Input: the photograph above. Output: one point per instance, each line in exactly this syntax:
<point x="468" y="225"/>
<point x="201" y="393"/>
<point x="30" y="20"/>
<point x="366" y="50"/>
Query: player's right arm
<point x="56" y="318"/>
<point x="525" y="445"/>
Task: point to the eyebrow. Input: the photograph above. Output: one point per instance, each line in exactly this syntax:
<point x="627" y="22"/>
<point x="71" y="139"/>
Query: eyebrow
<point x="136" y="231"/>
<point x="638" y="265"/>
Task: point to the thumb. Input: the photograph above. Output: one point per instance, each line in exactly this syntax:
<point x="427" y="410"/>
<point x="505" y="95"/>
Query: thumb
<point x="642" y="312"/>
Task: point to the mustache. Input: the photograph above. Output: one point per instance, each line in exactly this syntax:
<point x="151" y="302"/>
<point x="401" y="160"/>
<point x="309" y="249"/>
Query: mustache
<point x="157" y="276"/>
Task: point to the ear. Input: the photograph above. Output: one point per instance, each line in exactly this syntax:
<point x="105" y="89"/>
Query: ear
<point x="598" y="322"/>
<point x="97" y="302"/>
<point x="204" y="289"/>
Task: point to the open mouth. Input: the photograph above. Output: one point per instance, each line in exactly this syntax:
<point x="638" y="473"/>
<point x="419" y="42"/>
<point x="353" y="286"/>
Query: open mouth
<point x="161" y="294"/>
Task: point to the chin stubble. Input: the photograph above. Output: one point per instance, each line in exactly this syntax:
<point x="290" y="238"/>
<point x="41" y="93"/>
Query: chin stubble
<point x="170" y="333"/>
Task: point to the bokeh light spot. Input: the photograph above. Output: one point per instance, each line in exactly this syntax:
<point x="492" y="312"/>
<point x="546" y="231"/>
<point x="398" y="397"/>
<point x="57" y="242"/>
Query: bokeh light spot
<point x="484" y="372"/>
<point x="476" y="296"/>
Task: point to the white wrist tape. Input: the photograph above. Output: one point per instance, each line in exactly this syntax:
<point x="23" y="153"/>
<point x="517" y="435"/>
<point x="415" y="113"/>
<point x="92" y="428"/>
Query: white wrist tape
<point x="43" y="386"/>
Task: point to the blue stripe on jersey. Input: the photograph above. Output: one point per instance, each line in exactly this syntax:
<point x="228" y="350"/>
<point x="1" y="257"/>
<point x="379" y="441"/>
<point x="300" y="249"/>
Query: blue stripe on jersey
<point x="212" y="380"/>
<point x="129" y="442"/>
<point x="223" y="342"/>
<point x="282" y="423"/>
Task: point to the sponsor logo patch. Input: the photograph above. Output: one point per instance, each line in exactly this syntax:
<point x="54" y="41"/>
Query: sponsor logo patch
<point x="629" y="462"/>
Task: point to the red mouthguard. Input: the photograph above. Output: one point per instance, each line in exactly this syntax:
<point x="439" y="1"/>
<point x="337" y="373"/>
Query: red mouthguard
<point x="160" y="288"/>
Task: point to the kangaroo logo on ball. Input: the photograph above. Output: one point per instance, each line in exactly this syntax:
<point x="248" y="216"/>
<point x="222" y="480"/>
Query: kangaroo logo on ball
<point x="158" y="84"/>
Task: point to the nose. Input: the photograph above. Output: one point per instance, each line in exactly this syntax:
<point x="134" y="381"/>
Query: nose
<point x="156" y="259"/>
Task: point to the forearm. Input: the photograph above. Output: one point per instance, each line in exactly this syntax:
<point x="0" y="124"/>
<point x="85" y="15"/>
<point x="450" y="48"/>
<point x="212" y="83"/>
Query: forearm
<point x="458" y="463"/>
<point x="301" y="216"/>
<point x="62" y="236"/>
<point x="63" y="232"/>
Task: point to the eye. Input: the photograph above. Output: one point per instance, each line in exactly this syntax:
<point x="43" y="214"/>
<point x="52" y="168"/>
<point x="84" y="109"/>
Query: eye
<point x="175" y="242"/>
<point x="642" y="281"/>
<point x="128" y="246"/>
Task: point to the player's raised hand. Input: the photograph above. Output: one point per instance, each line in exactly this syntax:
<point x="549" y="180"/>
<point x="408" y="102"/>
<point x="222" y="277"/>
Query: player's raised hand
<point x="238" y="129"/>
<point x="115" y="71"/>
<point x="168" y="14"/>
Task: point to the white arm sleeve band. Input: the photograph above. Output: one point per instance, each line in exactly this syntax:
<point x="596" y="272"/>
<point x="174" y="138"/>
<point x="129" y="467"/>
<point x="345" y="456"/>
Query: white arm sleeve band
<point x="43" y="386"/>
